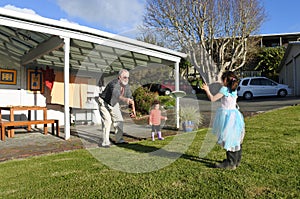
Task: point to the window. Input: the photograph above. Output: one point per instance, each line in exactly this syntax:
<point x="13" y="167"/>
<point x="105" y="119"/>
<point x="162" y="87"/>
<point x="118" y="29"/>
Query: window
<point x="245" y="82"/>
<point x="265" y="82"/>
<point x="255" y="82"/>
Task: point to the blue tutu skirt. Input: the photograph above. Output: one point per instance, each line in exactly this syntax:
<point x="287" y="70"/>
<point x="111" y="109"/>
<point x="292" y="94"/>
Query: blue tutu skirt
<point x="229" y="127"/>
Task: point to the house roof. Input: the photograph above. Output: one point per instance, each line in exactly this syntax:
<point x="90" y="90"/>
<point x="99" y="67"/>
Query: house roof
<point x="28" y="39"/>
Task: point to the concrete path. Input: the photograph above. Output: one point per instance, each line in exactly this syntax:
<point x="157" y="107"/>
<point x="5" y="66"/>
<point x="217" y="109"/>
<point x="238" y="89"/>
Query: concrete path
<point x="26" y="144"/>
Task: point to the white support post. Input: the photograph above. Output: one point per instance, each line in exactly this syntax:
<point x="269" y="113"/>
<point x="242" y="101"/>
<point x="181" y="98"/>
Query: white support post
<point x="66" y="87"/>
<point x="295" y="76"/>
<point x="177" y="89"/>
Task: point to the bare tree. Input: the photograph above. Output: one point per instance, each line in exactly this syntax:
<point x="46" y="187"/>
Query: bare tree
<point x="146" y="35"/>
<point x="214" y="33"/>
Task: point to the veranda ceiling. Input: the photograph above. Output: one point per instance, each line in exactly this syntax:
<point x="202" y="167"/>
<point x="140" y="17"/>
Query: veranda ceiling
<point x="17" y="43"/>
<point x="28" y="41"/>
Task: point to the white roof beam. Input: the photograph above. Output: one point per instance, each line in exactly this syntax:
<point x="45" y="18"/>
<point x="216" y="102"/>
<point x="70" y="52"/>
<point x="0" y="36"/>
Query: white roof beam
<point x="94" y="37"/>
<point x="51" y="44"/>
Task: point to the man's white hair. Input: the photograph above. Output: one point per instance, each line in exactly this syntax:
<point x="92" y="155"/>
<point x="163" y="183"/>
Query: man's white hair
<point x="123" y="71"/>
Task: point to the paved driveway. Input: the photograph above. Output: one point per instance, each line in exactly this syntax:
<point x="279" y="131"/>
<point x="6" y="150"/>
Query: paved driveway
<point x="247" y="107"/>
<point x="255" y="105"/>
<point x="267" y="103"/>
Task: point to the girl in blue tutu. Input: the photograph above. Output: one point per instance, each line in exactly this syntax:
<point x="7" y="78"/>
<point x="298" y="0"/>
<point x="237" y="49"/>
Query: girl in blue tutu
<point x="229" y="123"/>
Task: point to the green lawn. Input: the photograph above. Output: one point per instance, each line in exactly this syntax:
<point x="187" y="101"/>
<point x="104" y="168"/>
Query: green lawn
<point x="269" y="169"/>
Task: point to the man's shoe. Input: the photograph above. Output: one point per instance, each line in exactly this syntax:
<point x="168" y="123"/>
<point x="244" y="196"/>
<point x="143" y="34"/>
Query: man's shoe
<point x="122" y="142"/>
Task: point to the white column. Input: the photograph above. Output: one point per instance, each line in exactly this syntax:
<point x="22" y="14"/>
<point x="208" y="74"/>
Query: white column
<point x="295" y="77"/>
<point x="280" y="41"/>
<point x="177" y="89"/>
<point x="66" y="87"/>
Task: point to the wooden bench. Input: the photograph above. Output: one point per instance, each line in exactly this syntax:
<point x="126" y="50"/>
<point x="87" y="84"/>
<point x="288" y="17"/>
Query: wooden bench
<point x="27" y="123"/>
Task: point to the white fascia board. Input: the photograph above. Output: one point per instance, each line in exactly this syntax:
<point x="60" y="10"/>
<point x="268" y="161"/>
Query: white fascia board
<point x="276" y="34"/>
<point x="75" y="31"/>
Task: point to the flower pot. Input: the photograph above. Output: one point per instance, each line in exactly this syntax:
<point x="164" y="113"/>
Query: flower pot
<point x="188" y="126"/>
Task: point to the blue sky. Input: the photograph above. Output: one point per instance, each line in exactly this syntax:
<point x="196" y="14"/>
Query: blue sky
<point x="122" y="16"/>
<point x="282" y="16"/>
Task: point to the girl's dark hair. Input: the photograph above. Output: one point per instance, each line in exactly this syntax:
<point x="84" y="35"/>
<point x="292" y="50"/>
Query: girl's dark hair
<point x="155" y="102"/>
<point x="232" y="80"/>
<point x="224" y="75"/>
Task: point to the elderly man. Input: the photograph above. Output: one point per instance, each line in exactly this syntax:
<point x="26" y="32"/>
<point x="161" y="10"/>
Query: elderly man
<point x="117" y="91"/>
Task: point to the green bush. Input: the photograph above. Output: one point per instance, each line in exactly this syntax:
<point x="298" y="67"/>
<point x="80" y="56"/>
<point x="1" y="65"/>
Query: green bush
<point x="144" y="99"/>
<point x="166" y="101"/>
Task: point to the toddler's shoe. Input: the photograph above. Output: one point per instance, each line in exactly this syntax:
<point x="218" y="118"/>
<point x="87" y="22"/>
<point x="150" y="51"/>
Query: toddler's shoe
<point x="152" y="136"/>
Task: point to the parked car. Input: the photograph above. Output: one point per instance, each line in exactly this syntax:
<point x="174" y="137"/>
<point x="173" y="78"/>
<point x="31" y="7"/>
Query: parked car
<point x="250" y="87"/>
<point x="153" y="87"/>
<point x="168" y="86"/>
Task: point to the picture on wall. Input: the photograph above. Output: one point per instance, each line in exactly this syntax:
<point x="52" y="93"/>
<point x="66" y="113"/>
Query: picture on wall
<point x="8" y="76"/>
<point x="35" y="80"/>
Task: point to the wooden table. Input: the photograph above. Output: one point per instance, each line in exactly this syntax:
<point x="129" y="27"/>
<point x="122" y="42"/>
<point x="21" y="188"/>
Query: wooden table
<point x="12" y="110"/>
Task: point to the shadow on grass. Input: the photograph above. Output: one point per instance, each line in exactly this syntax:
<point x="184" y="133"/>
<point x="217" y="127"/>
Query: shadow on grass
<point x="162" y="152"/>
<point x="141" y="148"/>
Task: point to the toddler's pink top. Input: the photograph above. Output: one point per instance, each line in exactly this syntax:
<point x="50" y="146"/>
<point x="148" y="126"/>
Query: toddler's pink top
<point x="155" y="117"/>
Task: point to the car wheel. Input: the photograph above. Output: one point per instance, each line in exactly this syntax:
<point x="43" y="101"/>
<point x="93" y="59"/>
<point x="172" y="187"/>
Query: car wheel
<point x="282" y="93"/>
<point x="167" y="92"/>
<point x="248" y="95"/>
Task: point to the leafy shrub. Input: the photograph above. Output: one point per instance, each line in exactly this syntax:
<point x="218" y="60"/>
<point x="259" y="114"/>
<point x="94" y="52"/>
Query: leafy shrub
<point x="144" y="99"/>
<point x="190" y="113"/>
<point x="167" y="101"/>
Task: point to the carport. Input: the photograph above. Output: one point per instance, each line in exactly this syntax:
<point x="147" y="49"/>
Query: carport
<point x="34" y="41"/>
